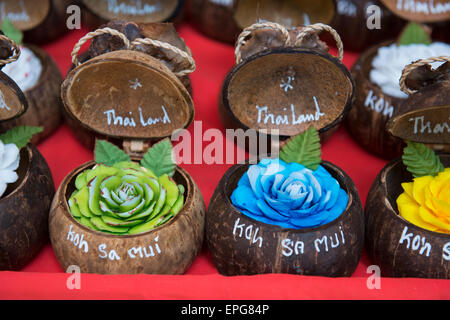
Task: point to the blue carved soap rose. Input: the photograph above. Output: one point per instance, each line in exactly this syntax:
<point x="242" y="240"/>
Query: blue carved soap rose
<point x="289" y="195"/>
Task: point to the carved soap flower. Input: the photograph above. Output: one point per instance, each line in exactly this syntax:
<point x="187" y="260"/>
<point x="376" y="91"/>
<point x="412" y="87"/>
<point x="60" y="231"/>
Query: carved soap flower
<point x="299" y="194"/>
<point x="10" y="144"/>
<point x="119" y="196"/>
<point x="426" y="201"/>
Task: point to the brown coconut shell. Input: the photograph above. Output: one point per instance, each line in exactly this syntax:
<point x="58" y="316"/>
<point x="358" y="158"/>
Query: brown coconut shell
<point x="97" y="13"/>
<point x="46" y="18"/>
<point x="350" y="21"/>
<point x="224" y="20"/>
<point x="398" y="247"/>
<point x="256" y="82"/>
<point x="44" y="100"/>
<point x="367" y="124"/>
<point x="98" y="79"/>
<point x="170" y="249"/>
<point x="242" y="246"/>
<point x="24" y="211"/>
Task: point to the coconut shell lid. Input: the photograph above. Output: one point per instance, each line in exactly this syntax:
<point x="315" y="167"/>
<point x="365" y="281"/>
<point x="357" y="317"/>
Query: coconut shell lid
<point x="12" y="100"/>
<point x="25" y="14"/>
<point x="420" y="10"/>
<point x="290" y="13"/>
<point x="287" y="88"/>
<point x="425" y="115"/>
<point x="132" y="10"/>
<point x="127" y="94"/>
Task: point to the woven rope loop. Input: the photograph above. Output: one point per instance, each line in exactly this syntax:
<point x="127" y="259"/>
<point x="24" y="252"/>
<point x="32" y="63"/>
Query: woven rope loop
<point x="15" y="51"/>
<point x="257" y="26"/>
<point x="409" y="68"/>
<point x="317" y="28"/>
<point x="306" y="31"/>
<point x="132" y="46"/>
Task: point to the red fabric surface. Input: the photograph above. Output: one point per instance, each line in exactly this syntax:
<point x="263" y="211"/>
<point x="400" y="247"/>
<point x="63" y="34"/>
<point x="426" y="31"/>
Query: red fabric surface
<point x="43" y="278"/>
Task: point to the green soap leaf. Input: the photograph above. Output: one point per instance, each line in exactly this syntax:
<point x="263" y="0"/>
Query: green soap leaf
<point x="421" y="161"/>
<point x="11" y="31"/>
<point x="160" y="159"/>
<point x="303" y="149"/>
<point x="20" y="136"/>
<point x="109" y="154"/>
<point x="414" y="33"/>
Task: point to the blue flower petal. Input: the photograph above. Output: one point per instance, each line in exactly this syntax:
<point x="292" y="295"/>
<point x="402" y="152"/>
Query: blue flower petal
<point x="267" y="183"/>
<point x="254" y="176"/>
<point x="289" y="195"/>
<point x="334" y="187"/>
<point x="281" y="207"/>
<point x="307" y="222"/>
<point x="244" y="198"/>
<point x="279" y="178"/>
<point x="269" y="212"/>
<point x="336" y="211"/>
<point x="244" y="181"/>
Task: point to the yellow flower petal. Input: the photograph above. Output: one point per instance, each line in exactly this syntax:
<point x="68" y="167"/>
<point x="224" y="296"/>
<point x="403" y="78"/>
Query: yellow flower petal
<point x="428" y="217"/>
<point x="429" y="200"/>
<point x="444" y="195"/>
<point x="408" y="187"/>
<point x="442" y="208"/>
<point x="405" y="198"/>
<point x="436" y="186"/>
<point x="426" y="202"/>
<point x="419" y="187"/>
<point x="409" y="210"/>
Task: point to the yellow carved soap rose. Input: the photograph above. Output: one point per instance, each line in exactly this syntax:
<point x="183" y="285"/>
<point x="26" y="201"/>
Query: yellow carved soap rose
<point x="426" y="202"/>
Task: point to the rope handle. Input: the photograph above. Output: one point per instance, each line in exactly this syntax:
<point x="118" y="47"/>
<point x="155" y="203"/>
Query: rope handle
<point x="409" y="68"/>
<point x="317" y="28"/>
<point x="132" y="46"/>
<point x="15" y="48"/>
<point x="314" y="28"/>
<point x="249" y="30"/>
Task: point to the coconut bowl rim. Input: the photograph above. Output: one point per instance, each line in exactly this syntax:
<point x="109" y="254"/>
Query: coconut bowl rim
<point x="224" y="102"/>
<point x="70" y="178"/>
<point x="387" y="204"/>
<point x="337" y="173"/>
<point x="182" y="91"/>
<point x="24" y="179"/>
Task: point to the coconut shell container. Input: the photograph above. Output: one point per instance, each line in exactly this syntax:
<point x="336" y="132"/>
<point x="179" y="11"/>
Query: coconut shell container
<point x="294" y="214"/>
<point x="225" y="20"/>
<point x="154" y="46"/>
<point x="40" y="21"/>
<point x="154" y="223"/>
<point x="407" y="216"/>
<point x="285" y="81"/>
<point x="99" y="12"/>
<point x="26" y="183"/>
<point x="378" y="95"/>
<point x="39" y="78"/>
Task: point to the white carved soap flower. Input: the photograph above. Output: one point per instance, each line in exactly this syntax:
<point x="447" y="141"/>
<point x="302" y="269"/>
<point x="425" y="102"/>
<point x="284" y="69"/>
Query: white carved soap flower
<point x="9" y="162"/>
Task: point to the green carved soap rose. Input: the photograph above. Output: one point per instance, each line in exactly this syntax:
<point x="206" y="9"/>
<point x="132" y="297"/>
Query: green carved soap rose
<point x="124" y="199"/>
